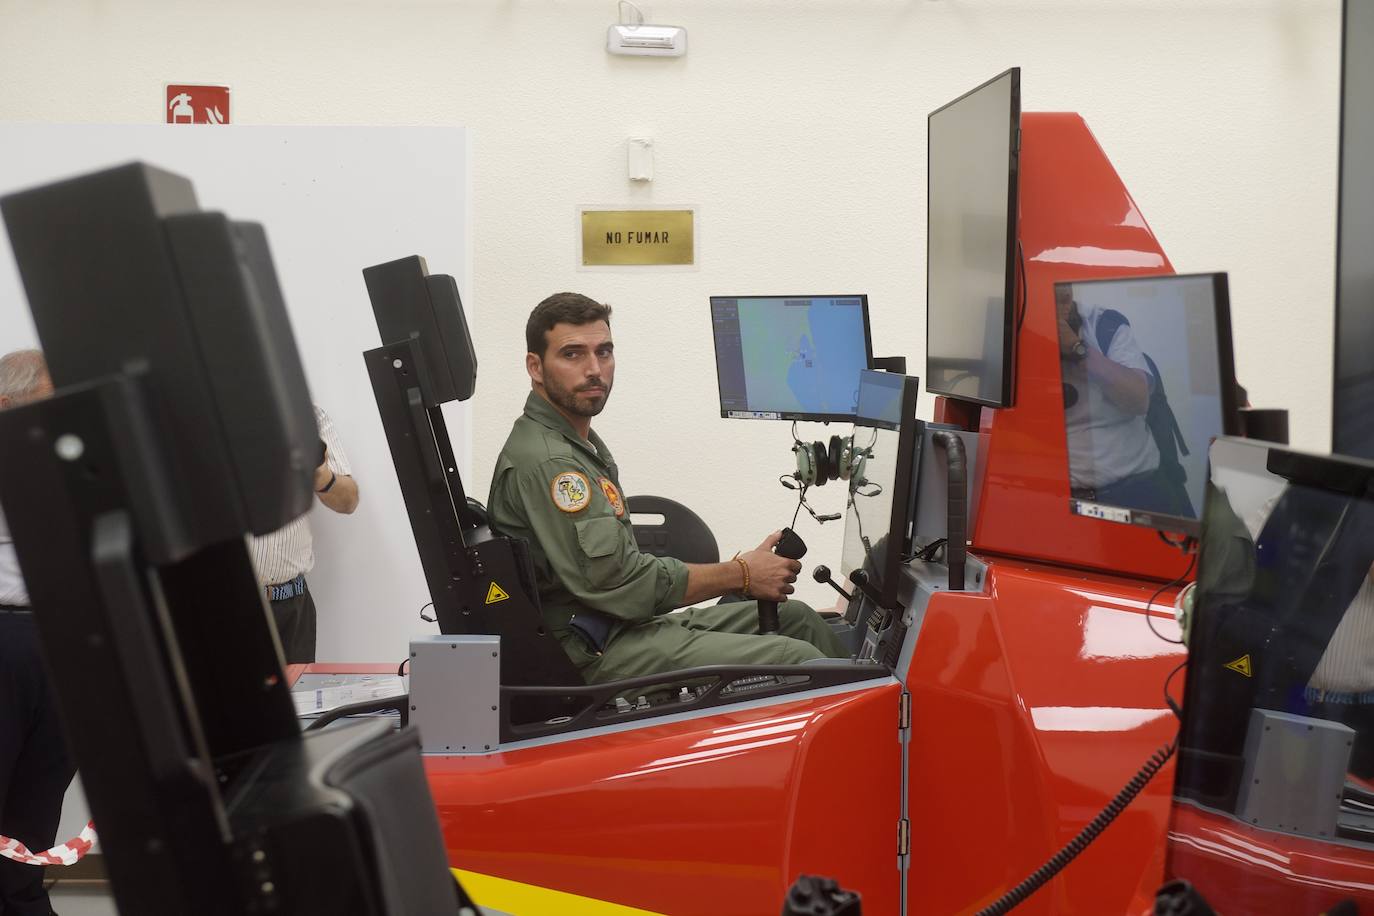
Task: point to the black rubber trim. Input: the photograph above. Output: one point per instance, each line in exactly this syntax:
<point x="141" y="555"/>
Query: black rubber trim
<point x="594" y="706"/>
<point x="400" y="703"/>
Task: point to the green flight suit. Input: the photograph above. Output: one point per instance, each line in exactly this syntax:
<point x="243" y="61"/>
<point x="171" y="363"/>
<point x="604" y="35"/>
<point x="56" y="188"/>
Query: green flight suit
<point x="562" y="494"/>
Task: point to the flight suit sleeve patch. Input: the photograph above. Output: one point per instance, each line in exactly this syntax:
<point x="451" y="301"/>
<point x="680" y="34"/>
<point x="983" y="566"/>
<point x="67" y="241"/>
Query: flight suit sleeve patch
<point x="571" y="491"/>
<point x="612" y="496"/>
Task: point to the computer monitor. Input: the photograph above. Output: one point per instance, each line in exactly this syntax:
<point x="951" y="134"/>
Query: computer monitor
<point x="972" y="148"/>
<point x="1148" y="383"/>
<point x="880" y="399"/>
<point x="878" y="504"/>
<point x="1272" y="720"/>
<point x="1352" y="413"/>
<point x="790" y="357"/>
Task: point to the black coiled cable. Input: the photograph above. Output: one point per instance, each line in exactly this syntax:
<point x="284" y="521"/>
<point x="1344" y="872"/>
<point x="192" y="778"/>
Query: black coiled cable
<point x="1079" y="843"/>
<point x="956" y="547"/>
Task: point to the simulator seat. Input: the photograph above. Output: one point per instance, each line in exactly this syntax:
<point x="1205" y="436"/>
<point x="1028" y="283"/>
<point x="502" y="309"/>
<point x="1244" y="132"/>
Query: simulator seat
<point x="682" y="534"/>
<point x="543" y="693"/>
<point x="481" y="581"/>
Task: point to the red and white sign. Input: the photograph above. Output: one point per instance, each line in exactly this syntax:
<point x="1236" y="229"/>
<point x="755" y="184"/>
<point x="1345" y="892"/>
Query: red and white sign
<point x="197" y="104"/>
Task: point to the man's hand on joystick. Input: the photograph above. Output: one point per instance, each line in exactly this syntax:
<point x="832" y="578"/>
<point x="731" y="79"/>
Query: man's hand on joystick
<point x="770" y="575"/>
<point x="788" y="548"/>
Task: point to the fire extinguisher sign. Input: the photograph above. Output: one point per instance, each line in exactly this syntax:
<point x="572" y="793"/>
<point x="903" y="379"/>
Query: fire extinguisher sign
<point x="197" y="104"/>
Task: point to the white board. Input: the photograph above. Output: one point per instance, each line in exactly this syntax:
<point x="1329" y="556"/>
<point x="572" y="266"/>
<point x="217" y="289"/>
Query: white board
<point x="333" y="200"/>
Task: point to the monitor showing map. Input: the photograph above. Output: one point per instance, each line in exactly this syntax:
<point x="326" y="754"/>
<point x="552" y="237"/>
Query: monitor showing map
<point x="790" y="357"/>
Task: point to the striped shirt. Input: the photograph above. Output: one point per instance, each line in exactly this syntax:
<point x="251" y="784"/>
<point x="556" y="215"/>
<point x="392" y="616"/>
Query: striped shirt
<point x="289" y="551"/>
<point x="1347" y="665"/>
<point x="12" y="588"/>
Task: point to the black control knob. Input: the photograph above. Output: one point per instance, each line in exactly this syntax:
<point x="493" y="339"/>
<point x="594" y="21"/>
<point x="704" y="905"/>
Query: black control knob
<point x="822" y="574"/>
<point x="790" y="545"/>
<point x="862" y="580"/>
<point x="813" y="895"/>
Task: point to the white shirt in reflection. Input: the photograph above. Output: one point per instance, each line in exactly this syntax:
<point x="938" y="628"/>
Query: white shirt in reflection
<point x="1106" y="444"/>
<point x="1347" y="665"/>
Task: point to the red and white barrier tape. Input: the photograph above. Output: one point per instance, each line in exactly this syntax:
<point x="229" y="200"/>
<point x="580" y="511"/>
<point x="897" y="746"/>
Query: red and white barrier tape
<point x="68" y="853"/>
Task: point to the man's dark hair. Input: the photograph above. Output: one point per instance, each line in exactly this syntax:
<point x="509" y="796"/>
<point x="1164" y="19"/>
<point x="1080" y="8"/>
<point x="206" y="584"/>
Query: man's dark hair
<point x="560" y="308"/>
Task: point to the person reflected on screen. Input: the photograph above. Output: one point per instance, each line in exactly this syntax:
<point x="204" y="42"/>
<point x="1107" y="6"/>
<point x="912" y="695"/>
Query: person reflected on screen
<point x="1109" y="386"/>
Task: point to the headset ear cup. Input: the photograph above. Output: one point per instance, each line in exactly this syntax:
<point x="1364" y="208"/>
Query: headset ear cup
<point x="806" y="463"/>
<point x="833" y="456"/>
<point x="856" y="476"/>
<point x="822" y="463"/>
<point x="847" y="457"/>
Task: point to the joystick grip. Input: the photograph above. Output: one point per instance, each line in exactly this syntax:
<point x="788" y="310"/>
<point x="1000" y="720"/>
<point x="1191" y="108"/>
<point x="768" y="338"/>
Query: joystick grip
<point x="790" y="545"/>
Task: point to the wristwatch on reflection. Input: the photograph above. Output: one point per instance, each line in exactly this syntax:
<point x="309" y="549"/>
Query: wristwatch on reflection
<point x="1080" y="350"/>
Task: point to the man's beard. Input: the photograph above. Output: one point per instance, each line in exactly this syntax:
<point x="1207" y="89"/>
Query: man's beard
<point x="569" y="399"/>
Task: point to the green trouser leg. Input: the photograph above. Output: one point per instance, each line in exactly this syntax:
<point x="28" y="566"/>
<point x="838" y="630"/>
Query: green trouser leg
<point x="725" y="634"/>
<point x="795" y="619"/>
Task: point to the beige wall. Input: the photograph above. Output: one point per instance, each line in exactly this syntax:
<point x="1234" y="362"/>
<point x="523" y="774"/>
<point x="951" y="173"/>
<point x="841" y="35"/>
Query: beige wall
<point x="798" y="129"/>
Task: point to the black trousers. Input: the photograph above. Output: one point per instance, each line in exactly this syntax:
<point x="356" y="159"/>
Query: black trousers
<point x="35" y="767"/>
<point x="295" y="619"/>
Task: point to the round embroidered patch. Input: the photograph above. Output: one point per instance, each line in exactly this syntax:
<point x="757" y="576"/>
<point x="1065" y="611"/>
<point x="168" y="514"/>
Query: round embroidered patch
<point x="612" y="496"/>
<point x="571" y="491"/>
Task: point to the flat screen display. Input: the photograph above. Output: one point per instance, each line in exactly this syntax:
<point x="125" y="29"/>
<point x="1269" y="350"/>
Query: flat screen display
<point x="880" y="399"/>
<point x="1352" y="413"/>
<point x="878" y="504"/>
<point x="1276" y="737"/>
<point x="1148" y="383"/>
<point x="971" y="206"/>
<point x="790" y="357"/>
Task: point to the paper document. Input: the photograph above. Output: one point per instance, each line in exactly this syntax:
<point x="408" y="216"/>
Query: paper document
<point x="316" y="694"/>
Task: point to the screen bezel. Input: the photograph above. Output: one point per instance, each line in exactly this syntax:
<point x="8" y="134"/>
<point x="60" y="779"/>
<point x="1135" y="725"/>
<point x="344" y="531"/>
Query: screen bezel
<point x="901" y="496"/>
<point x="904" y="483"/>
<point x="1230" y="413"/>
<point x="796" y="415"/>
<point x="1007" y="395"/>
<point x="1349" y="168"/>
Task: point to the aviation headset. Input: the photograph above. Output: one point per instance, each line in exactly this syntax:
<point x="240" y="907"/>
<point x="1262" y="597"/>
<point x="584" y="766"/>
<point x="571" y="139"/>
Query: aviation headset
<point x="818" y="463"/>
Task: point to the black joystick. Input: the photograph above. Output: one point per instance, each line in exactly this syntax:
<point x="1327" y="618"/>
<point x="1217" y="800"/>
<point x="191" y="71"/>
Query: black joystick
<point x="822" y="574"/>
<point x="861" y="579"/>
<point x="790" y="545"/>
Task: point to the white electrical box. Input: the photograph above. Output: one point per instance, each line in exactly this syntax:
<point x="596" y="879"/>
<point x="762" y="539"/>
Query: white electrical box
<point x="641" y="159"/>
<point x="647" y="40"/>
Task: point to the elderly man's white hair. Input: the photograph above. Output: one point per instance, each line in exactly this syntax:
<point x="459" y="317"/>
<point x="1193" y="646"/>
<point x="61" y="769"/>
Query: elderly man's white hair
<point x="21" y="373"/>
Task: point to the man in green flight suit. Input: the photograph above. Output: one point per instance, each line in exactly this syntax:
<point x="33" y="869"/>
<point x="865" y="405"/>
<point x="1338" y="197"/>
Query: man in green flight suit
<point x="557" y="486"/>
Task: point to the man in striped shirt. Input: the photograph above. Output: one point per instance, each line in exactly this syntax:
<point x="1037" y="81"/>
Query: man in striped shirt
<point x="283" y="557"/>
<point x="35" y="766"/>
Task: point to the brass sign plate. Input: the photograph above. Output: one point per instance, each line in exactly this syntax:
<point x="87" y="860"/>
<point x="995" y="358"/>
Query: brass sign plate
<point x="612" y="238"/>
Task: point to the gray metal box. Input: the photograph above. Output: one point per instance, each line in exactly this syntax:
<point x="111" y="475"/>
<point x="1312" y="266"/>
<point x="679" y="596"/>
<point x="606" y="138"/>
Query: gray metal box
<point x="1295" y="770"/>
<point x="455" y="692"/>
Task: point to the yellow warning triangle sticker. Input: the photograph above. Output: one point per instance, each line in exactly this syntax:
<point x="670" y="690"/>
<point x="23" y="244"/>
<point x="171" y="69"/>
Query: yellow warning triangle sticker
<point x="1240" y="666"/>
<point x="496" y="593"/>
